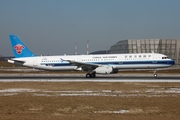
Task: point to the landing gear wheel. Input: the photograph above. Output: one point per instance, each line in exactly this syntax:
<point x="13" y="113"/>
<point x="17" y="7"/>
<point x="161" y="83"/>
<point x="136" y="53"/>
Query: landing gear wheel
<point x="93" y="75"/>
<point x="155" y="75"/>
<point x="88" y="75"/>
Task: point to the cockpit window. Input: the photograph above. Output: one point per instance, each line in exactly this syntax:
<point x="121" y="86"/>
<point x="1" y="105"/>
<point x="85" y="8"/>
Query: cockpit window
<point x="165" y="57"/>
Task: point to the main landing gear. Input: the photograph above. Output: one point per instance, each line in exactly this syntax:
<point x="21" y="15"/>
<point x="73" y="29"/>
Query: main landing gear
<point x="91" y="75"/>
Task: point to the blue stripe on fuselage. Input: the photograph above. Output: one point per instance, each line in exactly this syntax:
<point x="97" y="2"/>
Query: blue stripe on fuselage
<point x="165" y="62"/>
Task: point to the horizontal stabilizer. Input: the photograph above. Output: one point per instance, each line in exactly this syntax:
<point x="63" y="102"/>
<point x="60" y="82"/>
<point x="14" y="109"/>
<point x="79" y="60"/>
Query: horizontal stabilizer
<point x="16" y="62"/>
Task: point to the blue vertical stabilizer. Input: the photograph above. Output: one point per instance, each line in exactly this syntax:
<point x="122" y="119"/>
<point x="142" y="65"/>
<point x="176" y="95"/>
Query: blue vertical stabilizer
<point x="19" y="48"/>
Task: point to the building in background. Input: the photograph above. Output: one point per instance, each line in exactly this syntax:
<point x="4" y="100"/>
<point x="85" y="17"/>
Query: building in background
<point x="169" y="47"/>
<point x="100" y="52"/>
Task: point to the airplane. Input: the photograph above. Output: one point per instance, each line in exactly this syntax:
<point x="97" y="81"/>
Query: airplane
<point x="92" y="64"/>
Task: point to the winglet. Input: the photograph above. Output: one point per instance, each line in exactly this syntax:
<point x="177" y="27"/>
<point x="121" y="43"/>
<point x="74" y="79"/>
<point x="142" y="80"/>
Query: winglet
<point x="19" y="48"/>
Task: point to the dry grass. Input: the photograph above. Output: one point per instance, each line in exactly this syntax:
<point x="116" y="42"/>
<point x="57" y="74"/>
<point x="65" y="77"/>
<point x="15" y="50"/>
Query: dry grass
<point x="140" y="104"/>
<point x="6" y="64"/>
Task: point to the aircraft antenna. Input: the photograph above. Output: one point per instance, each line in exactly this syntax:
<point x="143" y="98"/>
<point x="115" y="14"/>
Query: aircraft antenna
<point x="76" y="49"/>
<point x="87" y="47"/>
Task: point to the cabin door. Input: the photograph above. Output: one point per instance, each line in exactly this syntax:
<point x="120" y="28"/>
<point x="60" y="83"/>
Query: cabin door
<point x="34" y="62"/>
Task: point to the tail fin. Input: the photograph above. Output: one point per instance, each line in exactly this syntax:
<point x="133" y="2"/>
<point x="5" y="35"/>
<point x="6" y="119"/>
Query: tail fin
<point x="19" y="48"/>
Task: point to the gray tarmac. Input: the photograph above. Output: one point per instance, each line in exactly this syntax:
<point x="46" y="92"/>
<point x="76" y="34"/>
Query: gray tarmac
<point x="81" y="78"/>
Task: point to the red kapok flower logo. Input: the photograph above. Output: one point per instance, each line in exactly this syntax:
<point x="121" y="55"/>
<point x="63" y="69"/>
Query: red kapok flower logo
<point x="19" y="48"/>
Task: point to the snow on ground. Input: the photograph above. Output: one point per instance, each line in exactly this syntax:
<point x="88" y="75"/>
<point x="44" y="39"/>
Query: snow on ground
<point x="91" y="80"/>
<point x="160" y="92"/>
<point x="115" y="112"/>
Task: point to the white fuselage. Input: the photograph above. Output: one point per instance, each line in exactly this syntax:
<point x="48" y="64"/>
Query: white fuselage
<point x="117" y="61"/>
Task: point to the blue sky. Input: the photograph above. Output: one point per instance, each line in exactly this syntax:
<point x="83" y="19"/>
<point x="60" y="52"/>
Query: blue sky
<point x="53" y="27"/>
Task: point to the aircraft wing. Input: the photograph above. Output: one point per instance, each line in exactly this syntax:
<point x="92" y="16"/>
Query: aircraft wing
<point x="83" y="65"/>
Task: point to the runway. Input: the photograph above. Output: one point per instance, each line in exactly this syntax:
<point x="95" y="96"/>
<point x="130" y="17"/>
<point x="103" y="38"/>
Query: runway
<point x="81" y="78"/>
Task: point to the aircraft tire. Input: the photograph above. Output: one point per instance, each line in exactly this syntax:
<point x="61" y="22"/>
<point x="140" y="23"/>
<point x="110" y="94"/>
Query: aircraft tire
<point x="155" y="75"/>
<point x="93" y="75"/>
<point x="88" y="75"/>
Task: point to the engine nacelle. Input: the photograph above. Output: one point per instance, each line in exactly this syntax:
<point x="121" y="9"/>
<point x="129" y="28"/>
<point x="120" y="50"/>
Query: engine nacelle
<point x="105" y="70"/>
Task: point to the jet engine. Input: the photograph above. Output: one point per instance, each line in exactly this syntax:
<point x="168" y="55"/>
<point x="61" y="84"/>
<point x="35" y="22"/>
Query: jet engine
<point x="105" y="70"/>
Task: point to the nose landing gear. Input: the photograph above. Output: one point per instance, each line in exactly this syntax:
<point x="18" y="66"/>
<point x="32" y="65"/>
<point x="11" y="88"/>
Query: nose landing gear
<point x="155" y="75"/>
